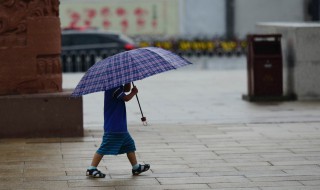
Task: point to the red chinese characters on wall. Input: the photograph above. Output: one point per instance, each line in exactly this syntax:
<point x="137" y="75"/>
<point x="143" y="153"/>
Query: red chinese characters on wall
<point x="90" y="15"/>
<point x="140" y="17"/>
<point x="122" y="13"/>
<point x="106" y="13"/>
<point x="74" y="17"/>
<point x="111" y="17"/>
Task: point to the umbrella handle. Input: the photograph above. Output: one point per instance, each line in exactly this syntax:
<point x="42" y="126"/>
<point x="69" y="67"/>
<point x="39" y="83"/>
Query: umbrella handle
<point x="143" y="119"/>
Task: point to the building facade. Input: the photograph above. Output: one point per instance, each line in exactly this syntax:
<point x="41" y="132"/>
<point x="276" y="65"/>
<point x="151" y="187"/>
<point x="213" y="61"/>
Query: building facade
<point x="180" y="17"/>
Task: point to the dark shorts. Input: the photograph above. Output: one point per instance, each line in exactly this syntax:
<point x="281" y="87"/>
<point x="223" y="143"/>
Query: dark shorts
<point x="116" y="143"/>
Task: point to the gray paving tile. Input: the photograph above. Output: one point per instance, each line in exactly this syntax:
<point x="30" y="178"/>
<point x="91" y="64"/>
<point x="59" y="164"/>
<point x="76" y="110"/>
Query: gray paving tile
<point x="113" y="182"/>
<point x="188" y="170"/>
<point x="203" y="180"/>
<point x="249" y="188"/>
<point x="291" y="188"/>
<point x="248" y="174"/>
<point x="282" y="184"/>
<point x="164" y="187"/>
<point x="311" y="179"/>
<point x="35" y="185"/>
<point x="158" y="175"/>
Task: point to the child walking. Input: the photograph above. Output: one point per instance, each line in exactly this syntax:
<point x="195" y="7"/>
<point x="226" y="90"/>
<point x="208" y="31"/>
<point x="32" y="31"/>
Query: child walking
<point x="116" y="139"/>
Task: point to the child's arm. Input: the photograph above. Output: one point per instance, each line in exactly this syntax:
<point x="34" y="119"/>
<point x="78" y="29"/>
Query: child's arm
<point x="127" y="87"/>
<point x="129" y="96"/>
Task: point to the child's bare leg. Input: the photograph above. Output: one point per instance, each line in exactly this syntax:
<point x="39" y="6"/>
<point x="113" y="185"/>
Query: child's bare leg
<point x="136" y="168"/>
<point x="92" y="170"/>
<point x="132" y="158"/>
<point x="96" y="159"/>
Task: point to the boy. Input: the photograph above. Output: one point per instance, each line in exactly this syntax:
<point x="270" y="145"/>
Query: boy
<point x="116" y="139"/>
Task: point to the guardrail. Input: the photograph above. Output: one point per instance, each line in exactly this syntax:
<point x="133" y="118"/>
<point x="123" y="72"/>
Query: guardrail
<point x="81" y="61"/>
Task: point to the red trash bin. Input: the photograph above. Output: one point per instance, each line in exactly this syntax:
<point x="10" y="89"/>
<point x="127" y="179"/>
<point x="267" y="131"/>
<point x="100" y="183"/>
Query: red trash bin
<point x="264" y="67"/>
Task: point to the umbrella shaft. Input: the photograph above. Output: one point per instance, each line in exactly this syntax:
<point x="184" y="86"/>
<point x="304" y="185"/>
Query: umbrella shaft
<point x="139" y="105"/>
<point x="138" y="102"/>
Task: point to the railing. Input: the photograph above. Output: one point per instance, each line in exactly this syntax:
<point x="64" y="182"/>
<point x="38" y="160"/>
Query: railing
<point x="81" y="61"/>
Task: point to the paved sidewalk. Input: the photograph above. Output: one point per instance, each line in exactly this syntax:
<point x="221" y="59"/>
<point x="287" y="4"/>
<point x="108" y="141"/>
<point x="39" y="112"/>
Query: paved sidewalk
<point x="201" y="136"/>
<point x="217" y="156"/>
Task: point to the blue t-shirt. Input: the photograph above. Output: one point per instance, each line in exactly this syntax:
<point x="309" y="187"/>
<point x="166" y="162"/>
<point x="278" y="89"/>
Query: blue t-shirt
<point x="115" y="116"/>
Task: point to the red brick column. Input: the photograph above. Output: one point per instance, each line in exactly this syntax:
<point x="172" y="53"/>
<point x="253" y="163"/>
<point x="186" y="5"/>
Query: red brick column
<point x="30" y="47"/>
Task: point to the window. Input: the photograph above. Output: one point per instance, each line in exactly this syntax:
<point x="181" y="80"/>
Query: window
<point x="85" y="39"/>
<point x="65" y="40"/>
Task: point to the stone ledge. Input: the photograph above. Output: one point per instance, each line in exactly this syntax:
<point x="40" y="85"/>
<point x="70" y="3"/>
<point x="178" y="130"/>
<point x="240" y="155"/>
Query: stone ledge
<point x="300" y="42"/>
<point x="268" y="98"/>
<point x="41" y="115"/>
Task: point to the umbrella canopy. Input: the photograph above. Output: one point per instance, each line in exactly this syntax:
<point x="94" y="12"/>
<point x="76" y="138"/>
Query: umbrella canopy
<point x="127" y="67"/>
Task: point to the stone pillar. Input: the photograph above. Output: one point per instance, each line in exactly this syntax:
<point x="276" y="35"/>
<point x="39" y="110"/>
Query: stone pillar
<point x="300" y="46"/>
<point x="30" y="47"/>
<point x="32" y="102"/>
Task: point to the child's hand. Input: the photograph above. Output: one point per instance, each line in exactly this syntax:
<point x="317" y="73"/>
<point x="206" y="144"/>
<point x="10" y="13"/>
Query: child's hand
<point x="134" y="90"/>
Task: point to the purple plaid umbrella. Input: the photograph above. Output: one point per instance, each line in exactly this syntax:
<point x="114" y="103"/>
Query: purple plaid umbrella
<point x="127" y="67"/>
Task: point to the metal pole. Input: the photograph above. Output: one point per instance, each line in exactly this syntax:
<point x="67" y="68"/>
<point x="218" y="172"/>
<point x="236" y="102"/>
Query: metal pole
<point x="138" y="102"/>
<point x="230" y="19"/>
<point x="143" y="119"/>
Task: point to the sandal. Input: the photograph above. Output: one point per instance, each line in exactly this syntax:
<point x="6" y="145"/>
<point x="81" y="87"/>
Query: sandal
<point x="142" y="168"/>
<point x="95" y="173"/>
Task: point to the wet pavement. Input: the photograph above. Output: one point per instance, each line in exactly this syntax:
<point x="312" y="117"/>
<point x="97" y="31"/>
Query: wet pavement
<point x="193" y="95"/>
<point x="202" y="135"/>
